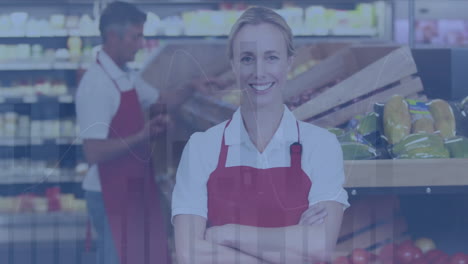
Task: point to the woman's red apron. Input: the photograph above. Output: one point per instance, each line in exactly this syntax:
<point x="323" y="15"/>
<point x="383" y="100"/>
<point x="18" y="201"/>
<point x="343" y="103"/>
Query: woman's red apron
<point x="129" y="191"/>
<point x="274" y="197"/>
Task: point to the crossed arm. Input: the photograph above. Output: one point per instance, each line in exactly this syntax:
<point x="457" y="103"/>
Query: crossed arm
<point x="307" y="242"/>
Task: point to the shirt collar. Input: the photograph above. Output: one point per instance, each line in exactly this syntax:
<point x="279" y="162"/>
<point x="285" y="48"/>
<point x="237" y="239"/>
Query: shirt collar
<point x="236" y="133"/>
<point x="109" y="66"/>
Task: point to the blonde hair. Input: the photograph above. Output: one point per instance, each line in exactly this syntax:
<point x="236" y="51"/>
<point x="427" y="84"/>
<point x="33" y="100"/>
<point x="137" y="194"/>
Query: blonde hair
<point x="258" y="15"/>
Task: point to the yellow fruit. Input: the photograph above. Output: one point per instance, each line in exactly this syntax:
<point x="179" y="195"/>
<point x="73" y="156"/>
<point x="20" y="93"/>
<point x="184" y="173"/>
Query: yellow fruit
<point x="425" y="244"/>
<point x="397" y="119"/>
<point x="444" y="120"/>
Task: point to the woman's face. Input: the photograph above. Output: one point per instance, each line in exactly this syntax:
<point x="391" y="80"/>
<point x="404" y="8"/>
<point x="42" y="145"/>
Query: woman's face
<point x="261" y="64"/>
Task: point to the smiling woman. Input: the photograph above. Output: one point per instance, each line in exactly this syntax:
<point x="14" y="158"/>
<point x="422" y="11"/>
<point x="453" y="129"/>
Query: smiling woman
<point x="262" y="186"/>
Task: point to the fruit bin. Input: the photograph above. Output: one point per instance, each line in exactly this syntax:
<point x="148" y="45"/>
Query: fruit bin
<point x="418" y="229"/>
<point x="349" y="82"/>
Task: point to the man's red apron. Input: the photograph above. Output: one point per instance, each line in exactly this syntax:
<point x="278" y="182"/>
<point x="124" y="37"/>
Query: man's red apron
<point x="274" y="197"/>
<point x="129" y="191"/>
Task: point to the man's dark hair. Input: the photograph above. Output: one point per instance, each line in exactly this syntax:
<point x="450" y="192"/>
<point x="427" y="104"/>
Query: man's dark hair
<point x="118" y="15"/>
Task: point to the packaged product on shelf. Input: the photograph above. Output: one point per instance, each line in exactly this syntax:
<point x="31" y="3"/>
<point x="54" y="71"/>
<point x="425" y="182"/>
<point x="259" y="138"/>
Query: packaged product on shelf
<point x="444" y="120"/>
<point x="357" y="151"/>
<point x="87" y="27"/>
<point x="337" y="131"/>
<point x="2" y="126"/>
<point x="36" y="129"/>
<point x="51" y="128"/>
<point x="62" y="54"/>
<point x="18" y="21"/>
<point x="3" y="52"/>
<point x="5" y="24"/>
<point x="367" y="124"/>
<point x="74" y="45"/>
<point x="58" y="87"/>
<point x="396" y="119"/>
<point x="172" y="26"/>
<point x="72" y="24"/>
<point x="36" y="28"/>
<point x="67" y="128"/>
<point x="421" y="118"/>
<point x="23" y="51"/>
<point x="316" y="22"/>
<point x="294" y="18"/>
<point x="23" y="127"/>
<point x="10" y="122"/>
<point x="152" y="24"/>
<point x="458" y="147"/>
<point x="37" y="52"/>
<point x="40" y="205"/>
<point x="8" y="204"/>
<point x="420" y="146"/>
<point x="57" y="21"/>
<point x="460" y="113"/>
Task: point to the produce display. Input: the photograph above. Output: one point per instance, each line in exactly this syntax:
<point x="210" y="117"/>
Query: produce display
<point x="409" y="129"/>
<point x="420" y="251"/>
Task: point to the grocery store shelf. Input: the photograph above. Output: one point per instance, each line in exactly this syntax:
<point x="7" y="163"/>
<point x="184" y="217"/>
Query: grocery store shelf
<point x="42" y="227"/>
<point x="55" y="65"/>
<point x="42" y="219"/>
<point x="48" y="175"/>
<point x="406" y="173"/>
<point x="32" y="141"/>
<point x="32" y="99"/>
<point x="368" y="33"/>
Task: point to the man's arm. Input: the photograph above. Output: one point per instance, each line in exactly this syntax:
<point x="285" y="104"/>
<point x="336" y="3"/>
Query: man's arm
<point x="100" y="150"/>
<point x="191" y="246"/>
<point x="175" y="97"/>
<point x="292" y="244"/>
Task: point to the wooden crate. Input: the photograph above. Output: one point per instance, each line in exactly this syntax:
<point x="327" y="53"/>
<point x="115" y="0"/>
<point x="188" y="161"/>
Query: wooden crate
<point x="368" y="74"/>
<point x="370" y="224"/>
<point x="175" y="65"/>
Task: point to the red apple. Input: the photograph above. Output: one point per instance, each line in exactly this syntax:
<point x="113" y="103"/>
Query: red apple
<point x="387" y="252"/>
<point x="407" y="253"/>
<point x="432" y="255"/>
<point x="342" y="260"/>
<point x="444" y="258"/>
<point x="459" y="258"/>
<point x="420" y="261"/>
<point x="360" y="256"/>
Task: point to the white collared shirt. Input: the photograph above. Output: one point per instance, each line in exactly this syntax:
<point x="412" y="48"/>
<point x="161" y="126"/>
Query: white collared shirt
<point x="322" y="161"/>
<point x="97" y="101"/>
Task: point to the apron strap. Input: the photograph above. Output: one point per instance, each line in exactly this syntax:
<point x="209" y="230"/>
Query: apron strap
<point x="296" y="150"/>
<point x="224" y="149"/>
<point x="116" y="86"/>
